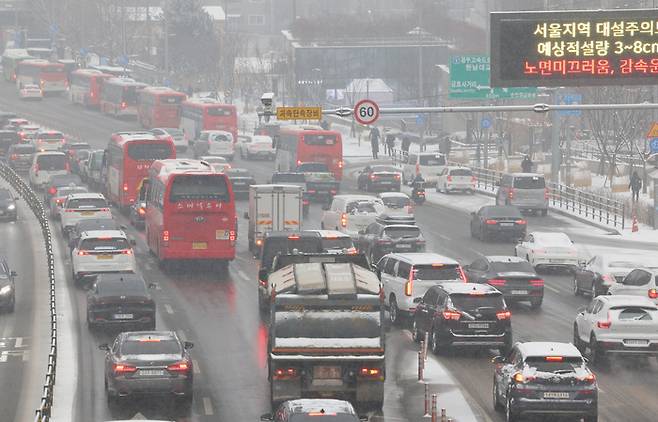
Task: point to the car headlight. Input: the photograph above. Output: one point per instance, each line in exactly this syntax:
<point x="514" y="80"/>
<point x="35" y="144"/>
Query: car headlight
<point x="11" y="207"/>
<point x="5" y="290"/>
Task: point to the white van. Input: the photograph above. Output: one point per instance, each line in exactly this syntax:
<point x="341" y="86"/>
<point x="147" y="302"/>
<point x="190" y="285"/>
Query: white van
<point x="215" y="142"/>
<point x="430" y="165"/>
<point x="46" y="165"/>
<point x="351" y="213"/>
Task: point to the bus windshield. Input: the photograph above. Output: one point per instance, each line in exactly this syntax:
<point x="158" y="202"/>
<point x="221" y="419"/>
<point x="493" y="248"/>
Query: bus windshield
<point x="192" y="187"/>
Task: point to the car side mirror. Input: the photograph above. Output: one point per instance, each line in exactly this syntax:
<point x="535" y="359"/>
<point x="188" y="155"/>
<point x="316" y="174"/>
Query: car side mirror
<point x="326" y="207"/>
<point x="104" y="347"/>
<point x="188" y="345"/>
<point x="266" y="417"/>
<point x="245" y="215"/>
<point x="417" y="299"/>
<point x="13" y="273"/>
<point x="498" y="359"/>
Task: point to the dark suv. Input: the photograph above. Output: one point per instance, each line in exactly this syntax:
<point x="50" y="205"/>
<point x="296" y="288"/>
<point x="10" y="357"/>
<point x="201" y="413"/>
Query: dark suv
<point x="119" y="300"/>
<point x="544" y="378"/>
<point x="463" y="314"/>
<point x="379" y="239"/>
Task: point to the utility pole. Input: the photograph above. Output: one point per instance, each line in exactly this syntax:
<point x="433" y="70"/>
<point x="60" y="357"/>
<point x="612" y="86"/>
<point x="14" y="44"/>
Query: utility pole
<point x="166" y="41"/>
<point x="555" y="141"/>
<point x="123" y="27"/>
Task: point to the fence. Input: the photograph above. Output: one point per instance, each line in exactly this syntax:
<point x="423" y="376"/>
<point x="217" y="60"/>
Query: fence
<point x="592" y="206"/>
<point x="35" y="204"/>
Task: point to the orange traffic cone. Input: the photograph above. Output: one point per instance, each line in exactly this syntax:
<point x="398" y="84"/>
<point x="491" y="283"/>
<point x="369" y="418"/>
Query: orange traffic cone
<point x="635" y="226"/>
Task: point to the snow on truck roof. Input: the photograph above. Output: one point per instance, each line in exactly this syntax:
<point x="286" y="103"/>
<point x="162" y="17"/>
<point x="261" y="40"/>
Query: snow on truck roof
<point x="548" y="348"/>
<point x="332" y="279"/>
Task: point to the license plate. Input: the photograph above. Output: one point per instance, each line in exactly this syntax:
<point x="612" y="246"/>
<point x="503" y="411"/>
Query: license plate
<point x="123" y="316"/>
<point x="87" y="213"/>
<point x="222" y="234"/>
<point x="478" y="325"/>
<point x="199" y="245"/>
<point x="556" y="395"/>
<point x="327" y="372"/>
<point x="403" y="246"/>
<point x="519" y="292"/>
<point x="506" y="224"/>
<point x="151" y="372"/>
<point x="104" y="256"/>
<point x="385" y="183"/>
<point x="636" y="342"/>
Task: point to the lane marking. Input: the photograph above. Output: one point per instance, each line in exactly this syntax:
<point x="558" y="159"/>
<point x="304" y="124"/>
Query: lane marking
<point x="207" y="406"/>
<point x="243" y="275"/>
<point x="553" y="289"/>
<point x="168" y="308"/>
<point x="443" y="236"/>
<point x="3" y="356"/>
<point x="195" y="366"/>
<point x="19" y="342"/>
<point x="26" y="355"/>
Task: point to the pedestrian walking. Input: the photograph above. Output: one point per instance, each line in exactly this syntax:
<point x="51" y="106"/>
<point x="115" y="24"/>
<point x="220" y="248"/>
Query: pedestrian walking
<point x="374" y="142"/>
<point x="526" y="164"/>
<point x="190" y="91"/>
<point x="635" y="185"/>
<point x="390" y="143"/>
<point x="406" y="143"/>
<point x="324" y="125"/>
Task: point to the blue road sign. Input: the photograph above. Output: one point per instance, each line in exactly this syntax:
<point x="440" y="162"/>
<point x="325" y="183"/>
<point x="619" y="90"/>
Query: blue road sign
<point x="420" y="120"/>
<point x="485" y="123"/>
<point x="83" y="51"/>
<point x="569" y="99"/>
<point x="653" y="145"/>
<point x="122" y="60"/>
<point x="54" y="29"/>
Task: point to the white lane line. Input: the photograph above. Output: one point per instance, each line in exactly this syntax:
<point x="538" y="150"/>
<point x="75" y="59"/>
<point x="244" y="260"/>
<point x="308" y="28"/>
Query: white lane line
<point x="553" y="289"/>
<point x="3" y="356"/>
<point x="443" y="236"/>
<point x="207" y="406"/>
<point x="168" y="308"/>
<point x="243" y="275"/>
<point x="26" y="355"/>
<point x="195" y="366"/>
<point x="19" y="342"/>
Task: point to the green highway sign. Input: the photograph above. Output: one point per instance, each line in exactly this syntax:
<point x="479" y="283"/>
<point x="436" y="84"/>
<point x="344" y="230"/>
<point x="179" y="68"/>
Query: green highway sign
<point x="469" y="80"/>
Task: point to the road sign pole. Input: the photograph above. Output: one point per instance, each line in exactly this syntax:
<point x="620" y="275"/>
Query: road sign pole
<point x="486" y="148"/>
<point x="555" y="144"/>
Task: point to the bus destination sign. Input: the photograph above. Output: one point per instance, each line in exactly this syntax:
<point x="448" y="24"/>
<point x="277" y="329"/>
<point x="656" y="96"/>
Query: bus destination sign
<point x="574" y="48"/>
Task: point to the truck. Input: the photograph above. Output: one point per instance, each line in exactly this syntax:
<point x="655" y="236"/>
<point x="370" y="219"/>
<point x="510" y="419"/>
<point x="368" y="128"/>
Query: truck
<point x="321" y="184"/>
<point x="326" y="334"/>
<point x="297" y="179"/>
<point x="273" y="208"/>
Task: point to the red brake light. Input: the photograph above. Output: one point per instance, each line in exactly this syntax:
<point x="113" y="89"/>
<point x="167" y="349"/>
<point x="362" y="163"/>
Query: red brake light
<point x="473" y="179"/>
<point x="123" y="104"/>
<point x="501" y="315"/>
<point x="340" y="164"/>
<point x="451" y="315"/>
<point x="498" y="282"/>
<point x="373" y="176"/>
<point x="449" y="178"/>
<point x="125" y="187"/>
<point x="604" y="324"/>
<point x="370" y="372"/>
<point x="165" y="236"/>
<point x="14" y="156"/>
<point x="537" y="282"/>
<point x="83" y="253"/>
<point x="546" y="194"/>
<point x="609" y="278"/>
<point x="231" y="235"/>
<point x="320" y="414"/>
<point x="520" y="378"/>
<point x="653" y="294"/>
<point x="285" y="373"/>
<point x="588" y="379"/>
<point x="397" y="176"/>
<point x="52" y="190"/>
<point x="510" y="194"/>
<point x="409" y="285"/>
<point x="522" y="222"/>
<point x="554" y="358"/>
<point x="293" y="237"/>
<point x="182" y="366"/>
<point x="299" y="162"/>
<point x="491" y="222"/>
<point x="141" y="211"/>
<point x="120" y="368"/>
<point x="127" y="252"/>
<point x="343" y="220"/>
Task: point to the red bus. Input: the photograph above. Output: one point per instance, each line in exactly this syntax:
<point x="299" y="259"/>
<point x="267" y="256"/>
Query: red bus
<point x="119" y="96"/>
<point x="86" y="86"/>
<point x="303" y="144"/>
<point x="126" y="162"/>
<point x="49" y="76"/>
<point x="190" y="212"/>
<point x="159" y="106"/>
<point x="208" y="114"/>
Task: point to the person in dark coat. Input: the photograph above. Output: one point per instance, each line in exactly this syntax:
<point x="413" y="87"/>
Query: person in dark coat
<point x="635" y="185"/>
<point x="526" y="164"/>
<point x="390" y="143"/>
<point x="374" y="142"/>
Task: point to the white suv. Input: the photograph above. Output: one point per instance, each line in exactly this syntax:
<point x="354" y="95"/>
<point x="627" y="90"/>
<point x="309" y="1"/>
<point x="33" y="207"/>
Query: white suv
<point x="81" y="206"/>
<point x="46" y="165"/>
<point x="406" y="276"/>
<point x="102" y="251"/>
<point x="351" y="213"/>
<point x="639" y="282"/>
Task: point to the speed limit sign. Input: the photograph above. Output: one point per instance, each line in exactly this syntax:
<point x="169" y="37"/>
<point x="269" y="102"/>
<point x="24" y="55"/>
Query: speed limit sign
<point x="366" y="112"/>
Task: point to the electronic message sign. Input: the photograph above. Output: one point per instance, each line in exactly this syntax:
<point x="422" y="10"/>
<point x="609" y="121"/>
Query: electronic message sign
<point x="574" y="48"/>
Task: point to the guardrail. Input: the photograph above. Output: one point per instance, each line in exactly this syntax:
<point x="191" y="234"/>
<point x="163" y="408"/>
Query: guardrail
<point x="42" y="413"/>
<point x="594" y="207"/>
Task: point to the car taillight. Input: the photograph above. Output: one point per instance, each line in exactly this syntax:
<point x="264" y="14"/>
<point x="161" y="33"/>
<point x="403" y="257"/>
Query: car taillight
<point x="83" y="253"/>
<point x="537" y="282"/>
<point x="13" y="157"/>
<point x="498" y="282"/>
<point x="510" y="194"/>
<point x="42" y="83"/>
<point x="604" y="324"/>
<point x="373" y="176"/>
<point x="182" y="366"/>
<point x="127" y="252"/>
<point x="125" y="187"/>
<point x="609" y="278"/>
<point x="451" y="315"/>
<point x="383" y="241"/>
<point x="59" y="201"/>
<point x="521" y="222"/>
<point x="121" y="368"/>
<point x="52" y="190"/>
<point x="397" y="176"/>
<point x="340" y="164"/>
<point x="123" y="104"/>
<point x="22" y="135"/>
<point x="588" y="379"/>
<point x="501" y="315"/>
<point x="343" y="220"/>
<point x="491" y="222"/>
<point x="311" y="191"/>
<point x="521" y="379"/>
<point x="299" y="162"/>
<point x="141" y="211"/>
<point x="653" y="294"/>
<point x="546" y="194"/>
<point x="285" y="373"/>
<point x="306" y="202"/>
<point x="165" y="235"/>
<point x="367" y="372"/>
<point x="473" y="179"/>
<point x="231" y="235"/>
<point x="449" y="178"/>
<point x="333" y="191"/>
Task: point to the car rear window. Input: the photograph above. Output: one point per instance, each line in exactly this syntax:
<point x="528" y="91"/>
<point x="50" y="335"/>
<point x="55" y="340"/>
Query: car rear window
<point x="87" y="203"/>
<point x="109" y="244"/>
<point x="97" y="224"/>
<point x="23" y="149"/>
<point x="510" y="212"/>
<point x="636" y="314"/>
<point x="390" y="169"/>
<point x="503" y="267"/>
<point x="151" y="347"/>
<point x="361" y="207"/>
<point x="402" y="232"/>
<point x="337" y="243"/>
<point x="50" y="136"/>
<point x="437" y="272"/>
<point x="121" y="288"/>
<point x="289" y="178"/>
<point x="65" y="191"/>
<point x="476" y="301"/>
<point x="51" y="162"/>
<point x="222" y="138"/>
<point x="432" y="160"/>
<point x="529" y="182"/>
<point x="326" y="417"/>
<point x="396" y="201"/>
<point x="461" y="172"/>
<point x="569" y="364"/>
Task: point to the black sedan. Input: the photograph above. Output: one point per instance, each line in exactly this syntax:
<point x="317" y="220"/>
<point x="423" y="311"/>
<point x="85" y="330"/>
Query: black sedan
<point x="511" y="275"/>
<point x="118" y="300"/>
<point x="379" y="178"/>
<point x="8" y="208"/>
<point x="7" y="287"/>
<point x="148" y="363"/>
<point x="240" y="179"/>
<point x="379" y="239"/>
<point x="498" y="222"/>
<point x="546" y="379"/>
<point x="602" y="271"/>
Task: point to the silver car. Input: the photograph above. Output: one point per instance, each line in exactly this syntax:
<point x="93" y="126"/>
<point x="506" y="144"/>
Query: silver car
<point x="527" y="191"/>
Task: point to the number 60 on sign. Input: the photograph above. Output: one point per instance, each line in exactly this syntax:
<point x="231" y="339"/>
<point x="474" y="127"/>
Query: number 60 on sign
<point x="366" y="112"/>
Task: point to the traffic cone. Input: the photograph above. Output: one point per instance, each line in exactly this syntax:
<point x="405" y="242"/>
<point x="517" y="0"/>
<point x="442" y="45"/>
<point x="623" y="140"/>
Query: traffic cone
<point x="635" y="226"/>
